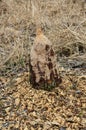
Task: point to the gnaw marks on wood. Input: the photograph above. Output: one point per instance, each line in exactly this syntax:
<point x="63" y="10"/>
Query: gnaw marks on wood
<point x="43" y="63"/>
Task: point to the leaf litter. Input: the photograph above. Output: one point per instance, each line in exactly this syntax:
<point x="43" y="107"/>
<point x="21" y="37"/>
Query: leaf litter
<point x="23" y="107"/>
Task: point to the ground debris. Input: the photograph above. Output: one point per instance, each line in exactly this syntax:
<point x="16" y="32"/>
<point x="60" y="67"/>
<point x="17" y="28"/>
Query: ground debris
<point x="22" y="106"/>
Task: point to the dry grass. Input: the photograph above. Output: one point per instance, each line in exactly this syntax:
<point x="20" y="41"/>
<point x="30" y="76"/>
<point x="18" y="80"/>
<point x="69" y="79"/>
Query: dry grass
<point x="63" y="21"/>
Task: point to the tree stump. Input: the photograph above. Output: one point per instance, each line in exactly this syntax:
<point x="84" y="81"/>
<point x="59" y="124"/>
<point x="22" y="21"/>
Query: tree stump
<point x="43" y="63"/>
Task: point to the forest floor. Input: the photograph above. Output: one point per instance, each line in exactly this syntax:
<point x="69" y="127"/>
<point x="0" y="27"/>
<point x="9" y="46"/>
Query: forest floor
<point x="24" y="108"/>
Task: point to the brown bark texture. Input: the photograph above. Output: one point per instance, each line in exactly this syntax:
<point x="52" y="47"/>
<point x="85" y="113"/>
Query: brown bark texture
<point x="43" y="63"/>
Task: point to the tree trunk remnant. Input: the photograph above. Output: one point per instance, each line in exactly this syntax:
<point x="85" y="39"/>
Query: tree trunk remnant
<point x="43" y="63"/>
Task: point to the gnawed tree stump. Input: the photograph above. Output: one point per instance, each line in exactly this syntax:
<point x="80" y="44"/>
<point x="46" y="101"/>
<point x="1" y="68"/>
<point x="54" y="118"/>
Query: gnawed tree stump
<point x="43" y="63"/>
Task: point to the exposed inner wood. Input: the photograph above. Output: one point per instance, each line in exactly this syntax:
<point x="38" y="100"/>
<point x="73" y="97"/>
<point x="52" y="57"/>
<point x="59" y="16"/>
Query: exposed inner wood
<point x="43" y="63"/>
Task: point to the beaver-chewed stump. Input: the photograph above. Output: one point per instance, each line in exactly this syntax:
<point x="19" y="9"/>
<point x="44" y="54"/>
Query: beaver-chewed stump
<point x="43" y="64"/>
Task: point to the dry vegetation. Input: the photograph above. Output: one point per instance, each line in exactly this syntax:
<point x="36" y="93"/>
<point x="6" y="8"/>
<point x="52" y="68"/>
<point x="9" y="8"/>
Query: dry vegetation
<point x="21" y="106"/>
